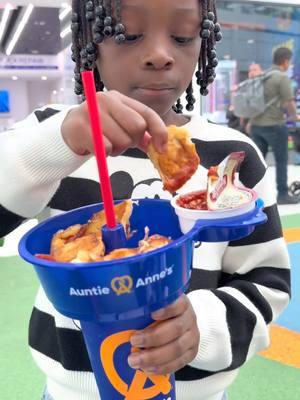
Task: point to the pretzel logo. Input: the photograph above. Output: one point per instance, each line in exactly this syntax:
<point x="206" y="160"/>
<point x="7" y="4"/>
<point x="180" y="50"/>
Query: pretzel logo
<point x="136" y="389"/>
<point x="122" y="285"/>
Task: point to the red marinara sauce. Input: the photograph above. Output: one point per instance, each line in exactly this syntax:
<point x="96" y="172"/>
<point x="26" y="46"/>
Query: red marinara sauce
<point x="193" y="200"/>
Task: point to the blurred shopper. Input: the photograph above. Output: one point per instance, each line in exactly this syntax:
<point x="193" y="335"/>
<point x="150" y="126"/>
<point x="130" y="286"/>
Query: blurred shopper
<point x="239" y="123"/>
<point x="254" y="70"/>
<point x="269" y="129"/>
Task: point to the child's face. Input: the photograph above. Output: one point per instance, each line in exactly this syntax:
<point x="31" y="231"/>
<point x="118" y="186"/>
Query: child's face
<point x="157" y="62"/>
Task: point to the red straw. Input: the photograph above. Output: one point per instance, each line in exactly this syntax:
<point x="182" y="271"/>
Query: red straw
<point x="100" y="153"/>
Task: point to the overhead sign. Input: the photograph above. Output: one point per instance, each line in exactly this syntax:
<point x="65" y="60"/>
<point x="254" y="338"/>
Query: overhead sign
<point x="37" y="3"/>
<point x="270" y="2"/>
<point x="29" y="62"/>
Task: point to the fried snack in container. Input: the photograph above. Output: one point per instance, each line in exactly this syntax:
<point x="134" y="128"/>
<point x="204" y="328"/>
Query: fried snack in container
<point x="123" y="213"/>
<point x="83" y="243"/>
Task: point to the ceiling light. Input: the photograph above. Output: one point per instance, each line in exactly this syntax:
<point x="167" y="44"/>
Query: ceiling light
<point x="14" y="78"/>
<point x="19" y="29"/>
<point x="54" y="92"/>
<point x="62" y="89"/>
<point x="66" y="11"/>
<point x="65" y="32"/>
<point x="4" y="19"/>
<point x="250" y="41"/>
<point x="44" y="78"/>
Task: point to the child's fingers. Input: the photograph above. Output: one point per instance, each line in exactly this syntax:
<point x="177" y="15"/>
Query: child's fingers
<point x="155" y="125"/>
<point x="145" y="142"/>
<point x="116" y="137"/>
<point x="127" y="118"/>
<point x="173" y="310"/>
<point x="166" y="359"/>
<point x="173" y="366"/>
<point x="163" y="333"/>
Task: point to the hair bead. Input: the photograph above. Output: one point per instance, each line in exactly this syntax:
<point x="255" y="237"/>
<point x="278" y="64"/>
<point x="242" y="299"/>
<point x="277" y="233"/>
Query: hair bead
<point x="206" y="24"/>
<point x="75" y="27"/>
<point x="119" y="28"/>
<point x="108" y="31"/>
<point x="90" y="48"/>
<point x="211" y="16"/>
<point x="89" y="6"/>
<point x="212" y="53"/>
<point x="120" y="39"/>
<point x="99" y="11"/>
<point x="108" y="21"/>
<point x="204" y="91"/>
<point x="89" y="16"/>
<point x="205" y="34"/>
<point x="74" y="17"/>
<point x="217" y="28"/>
<point x="178" y="107"/>
<point x="214" y="62"/>
<point x="98" y="38"/>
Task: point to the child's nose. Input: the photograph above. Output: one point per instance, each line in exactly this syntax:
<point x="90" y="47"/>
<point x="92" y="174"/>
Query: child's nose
<point x="158" y="57"/>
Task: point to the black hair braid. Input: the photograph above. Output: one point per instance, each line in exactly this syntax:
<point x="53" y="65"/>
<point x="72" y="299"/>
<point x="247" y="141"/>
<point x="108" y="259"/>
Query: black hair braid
<point x="93" y="20"/>
<point x="76" y="46"/>
<point x="84" y="49"/>
<point x="119" y="28"/>
<point x="210" y="34"/>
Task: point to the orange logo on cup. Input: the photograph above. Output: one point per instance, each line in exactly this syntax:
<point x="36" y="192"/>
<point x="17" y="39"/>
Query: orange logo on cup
<point x="135" y="390"/>
<point x="122" y="285"/>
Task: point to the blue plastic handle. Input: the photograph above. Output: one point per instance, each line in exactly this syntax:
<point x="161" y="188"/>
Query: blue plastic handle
<point x="114" y="238"/>
<point x="232" y="228"/>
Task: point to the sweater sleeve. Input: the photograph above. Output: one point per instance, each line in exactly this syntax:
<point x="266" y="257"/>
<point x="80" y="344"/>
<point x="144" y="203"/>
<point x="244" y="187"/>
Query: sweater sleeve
<point x="34" y="159"/>
<point x="253" y="288"/>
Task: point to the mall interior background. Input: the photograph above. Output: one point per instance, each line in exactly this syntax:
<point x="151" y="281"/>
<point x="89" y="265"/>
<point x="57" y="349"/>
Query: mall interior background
<point x="37" y="70"/>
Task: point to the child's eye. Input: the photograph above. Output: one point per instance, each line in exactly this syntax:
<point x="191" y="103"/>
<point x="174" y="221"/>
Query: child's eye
<point x="132" y="38"/>
<point x="183" y="40"/>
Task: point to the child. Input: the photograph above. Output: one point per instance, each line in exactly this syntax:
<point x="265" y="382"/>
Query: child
<point x="145" y="57"/>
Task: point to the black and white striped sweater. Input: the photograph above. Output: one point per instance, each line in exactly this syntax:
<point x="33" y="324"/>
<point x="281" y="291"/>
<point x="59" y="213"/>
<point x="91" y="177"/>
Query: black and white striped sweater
<point x="236" y="289"/>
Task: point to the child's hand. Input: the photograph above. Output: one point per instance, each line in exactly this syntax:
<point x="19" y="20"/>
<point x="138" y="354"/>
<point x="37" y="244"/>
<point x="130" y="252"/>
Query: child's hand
<point x="124" y="122"/>
<point x="169" y="345"/>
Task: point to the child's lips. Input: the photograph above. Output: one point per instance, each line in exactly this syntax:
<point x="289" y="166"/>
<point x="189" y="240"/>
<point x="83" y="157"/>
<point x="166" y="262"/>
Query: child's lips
<point x="155" y="91"/>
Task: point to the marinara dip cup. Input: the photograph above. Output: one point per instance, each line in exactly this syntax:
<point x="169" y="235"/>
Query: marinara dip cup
<point x="192" y="207"/>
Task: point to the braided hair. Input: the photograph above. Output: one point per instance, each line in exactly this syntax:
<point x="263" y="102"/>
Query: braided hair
<point x="94" y="20"/>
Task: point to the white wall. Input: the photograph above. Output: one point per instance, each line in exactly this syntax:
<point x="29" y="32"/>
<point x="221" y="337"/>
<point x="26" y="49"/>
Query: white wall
<point x="25" y="96"/>
<point x="39" y="93"/>
<point x="18" y="100"/>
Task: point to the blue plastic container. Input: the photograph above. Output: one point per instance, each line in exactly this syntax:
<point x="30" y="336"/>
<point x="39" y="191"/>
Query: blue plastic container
<point x="113" y="299"/>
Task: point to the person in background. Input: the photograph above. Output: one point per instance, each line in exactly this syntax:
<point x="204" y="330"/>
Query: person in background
<point x="234" y="122"/>
<point x="254" y="70"/>
<point x="269" y="129"/>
